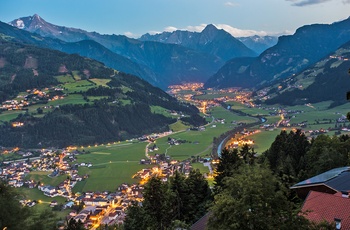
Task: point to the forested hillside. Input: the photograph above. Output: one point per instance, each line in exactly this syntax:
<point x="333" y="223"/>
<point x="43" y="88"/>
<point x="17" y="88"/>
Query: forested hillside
<point x="64" y="99"/>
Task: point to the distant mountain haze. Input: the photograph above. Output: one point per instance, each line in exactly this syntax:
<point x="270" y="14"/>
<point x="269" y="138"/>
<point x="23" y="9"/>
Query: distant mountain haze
<point x="259" y="43"/>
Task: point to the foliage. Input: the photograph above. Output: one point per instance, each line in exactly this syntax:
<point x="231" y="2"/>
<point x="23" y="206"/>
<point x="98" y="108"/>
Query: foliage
<point x="167" y="205"/>
<point x="72" y="224"/>
<point x="253" y="199"/>
<point x="229" y="162"/>
<point x="15" y="216"/>
<point x="286" y="156"/>
<point x="327" y="153"/>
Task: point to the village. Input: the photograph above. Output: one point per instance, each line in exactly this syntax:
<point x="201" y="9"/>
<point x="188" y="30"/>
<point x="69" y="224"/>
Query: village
<point x="95" y="207"/>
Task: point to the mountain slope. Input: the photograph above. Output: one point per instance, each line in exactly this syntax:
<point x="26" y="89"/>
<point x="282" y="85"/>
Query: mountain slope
<point x="327" y="80"/>
<point x="87" y="48"/>
<point x="169" y="62"/>
<point x="211" y="40"/>
<point x="289" y="56"/>
<point x="70" y="100"/>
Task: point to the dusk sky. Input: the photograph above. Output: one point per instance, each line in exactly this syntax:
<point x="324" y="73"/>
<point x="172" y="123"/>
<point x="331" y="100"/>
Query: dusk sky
<point x="136" y="17"/>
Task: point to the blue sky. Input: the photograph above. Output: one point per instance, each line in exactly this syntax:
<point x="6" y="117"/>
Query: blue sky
<point x="136" y="17"/>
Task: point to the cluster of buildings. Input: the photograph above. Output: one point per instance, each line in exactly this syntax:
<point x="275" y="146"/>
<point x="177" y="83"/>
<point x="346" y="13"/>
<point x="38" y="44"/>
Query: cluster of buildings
<point x="105" y="208"/>
<point x="30" y="98"/>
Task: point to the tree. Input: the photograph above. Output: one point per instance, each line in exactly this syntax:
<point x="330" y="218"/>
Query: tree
<point x="74" y="225"/>
<point x="286" y="156"/>
<point x="229" y="162"/>
<point x="44" y="220"/>
<point x="181" y="196"/>
<point x="157" y="204"/>
<point x="198" y="197"/>
<point x="253" y="199"/>
<point x="12" y="214"/>
<point x="135" y="217"/>
<point x="248" y="154"/>
<point x="327" y="153"/>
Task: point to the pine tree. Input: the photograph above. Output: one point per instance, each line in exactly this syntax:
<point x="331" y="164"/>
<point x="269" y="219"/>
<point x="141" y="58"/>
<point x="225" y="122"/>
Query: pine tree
<point x="229" y="162"/>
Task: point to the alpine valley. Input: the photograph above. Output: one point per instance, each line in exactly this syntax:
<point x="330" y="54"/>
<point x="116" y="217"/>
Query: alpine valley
<point x="298" y="69"/>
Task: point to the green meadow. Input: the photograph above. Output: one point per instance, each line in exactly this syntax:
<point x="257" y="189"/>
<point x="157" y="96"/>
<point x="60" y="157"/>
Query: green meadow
<point x="113" y="164"/>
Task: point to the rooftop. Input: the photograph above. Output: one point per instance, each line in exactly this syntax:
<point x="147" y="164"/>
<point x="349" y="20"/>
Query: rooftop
<point x="338" y="179"/>
<point x="320" y="206"/>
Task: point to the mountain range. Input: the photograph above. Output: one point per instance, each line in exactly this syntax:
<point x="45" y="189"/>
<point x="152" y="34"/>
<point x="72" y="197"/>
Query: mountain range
<point x="159" y="63"/>
<point x="180" y="56"/>
<point x="292" y="54"/>
<point x="211" y="40"/>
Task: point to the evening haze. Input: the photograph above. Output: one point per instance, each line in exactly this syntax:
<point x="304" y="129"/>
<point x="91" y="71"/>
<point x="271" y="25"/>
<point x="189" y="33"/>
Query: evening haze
<point x="136" y="17"/>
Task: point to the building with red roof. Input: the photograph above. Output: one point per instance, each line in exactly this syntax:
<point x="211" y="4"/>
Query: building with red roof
<point x="333" y="208"/>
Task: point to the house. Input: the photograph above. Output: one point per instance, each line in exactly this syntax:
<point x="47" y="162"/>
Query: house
<point x="53" y="203"/>
<point x="333" y="208"/>
<point x="68" y="204"/>
<point x="48" y="190"/>
<point x="112" y="215"/>
<point x="332" y="181"/>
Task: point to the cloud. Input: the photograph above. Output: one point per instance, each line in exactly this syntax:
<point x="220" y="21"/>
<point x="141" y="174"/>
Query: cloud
<point x="170" y="29"/>
<point x="346" y="1"/>
<point x="231" y="4"/>
<point x="308" y="2"/>
<point x="130" y="35"/>
<point x="240" y="33"/>
<point x="196" y="28"/>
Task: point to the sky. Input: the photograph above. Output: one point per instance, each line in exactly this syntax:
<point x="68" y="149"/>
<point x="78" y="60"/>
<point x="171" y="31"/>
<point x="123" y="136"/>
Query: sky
<point x="134" y="18"/>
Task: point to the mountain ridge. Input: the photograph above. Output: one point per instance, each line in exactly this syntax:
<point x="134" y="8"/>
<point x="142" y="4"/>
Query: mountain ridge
<point x="290" y="55"/>
<point x="172" y="64"/>
<point x="211" y="40"/>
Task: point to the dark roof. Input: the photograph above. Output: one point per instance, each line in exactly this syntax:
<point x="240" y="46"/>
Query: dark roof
<point x="202" y="223"/>
<point x="320" y="206"/>
<point x="337" y="179"/>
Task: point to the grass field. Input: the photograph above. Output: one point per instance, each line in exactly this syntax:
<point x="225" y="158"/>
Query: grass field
<point x="10" y="115"/>
<point x="65" y="78"/>
<point x="160" y="110"/>
<point x="112" y="165"/>
<point x="99" y="81"/>
<point x="201" y="167"/>
<point x="229" y="116"/>
<point x="44" y="179"/>
<point x="108" y="176"/>
<point x="36" y="194"/>
<point x="264" y="139"/>
<point x="177" y="126"/>
<point x="76" y="75"/>
<point x="78" y="86"/>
